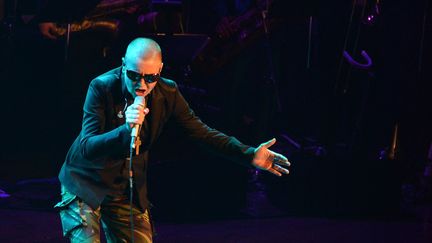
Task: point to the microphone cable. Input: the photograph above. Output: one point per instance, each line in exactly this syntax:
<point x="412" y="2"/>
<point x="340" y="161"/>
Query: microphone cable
<point x="131" y="193"/>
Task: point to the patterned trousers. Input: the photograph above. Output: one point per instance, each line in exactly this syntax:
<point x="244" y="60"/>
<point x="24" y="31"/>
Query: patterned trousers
<point x="81" y="223"/>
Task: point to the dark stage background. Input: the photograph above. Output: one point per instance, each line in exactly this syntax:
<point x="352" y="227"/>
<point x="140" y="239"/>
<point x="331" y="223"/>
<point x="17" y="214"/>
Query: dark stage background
<point x="335" y="122"/>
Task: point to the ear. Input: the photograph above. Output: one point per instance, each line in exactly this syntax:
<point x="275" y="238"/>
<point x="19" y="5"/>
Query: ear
<point x="160" y="69"/>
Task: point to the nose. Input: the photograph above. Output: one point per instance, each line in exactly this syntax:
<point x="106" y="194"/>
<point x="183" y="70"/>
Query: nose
<point x="142" y="83"/>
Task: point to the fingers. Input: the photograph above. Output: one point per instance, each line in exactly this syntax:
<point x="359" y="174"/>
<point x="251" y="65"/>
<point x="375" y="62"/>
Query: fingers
<point x="280" y="159"/>
<point x="135" y="114"/>
<point x="276" y="168"/>
<point x="48" y="34"/>
<point x="280" y="169"/>
<point x="48" y="30"/>
<point x="136" y="107"/>
<point x="269" y="143"/>
<point x="275" y="172"/>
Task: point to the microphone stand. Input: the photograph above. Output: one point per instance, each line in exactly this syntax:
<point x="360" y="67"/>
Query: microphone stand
<point x="270" y="68"/>
<point x="134" y="145"/>
<point x="131" y="150"/>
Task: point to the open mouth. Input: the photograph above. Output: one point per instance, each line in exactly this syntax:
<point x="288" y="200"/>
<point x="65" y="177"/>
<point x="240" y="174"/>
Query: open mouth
<point x="140" y="92"/>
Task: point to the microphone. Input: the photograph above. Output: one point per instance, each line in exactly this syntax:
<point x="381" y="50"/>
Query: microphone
<point x="139" y="100"/>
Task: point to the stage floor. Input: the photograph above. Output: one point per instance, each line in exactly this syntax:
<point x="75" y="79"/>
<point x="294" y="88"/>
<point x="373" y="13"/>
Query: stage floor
<point x="44" y="226"/>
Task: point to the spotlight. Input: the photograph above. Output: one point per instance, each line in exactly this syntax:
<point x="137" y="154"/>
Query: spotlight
<point x="372" y="15"/>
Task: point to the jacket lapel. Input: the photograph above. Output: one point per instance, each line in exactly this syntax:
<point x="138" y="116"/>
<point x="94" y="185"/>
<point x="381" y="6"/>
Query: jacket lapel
<point x="157" y="114"/>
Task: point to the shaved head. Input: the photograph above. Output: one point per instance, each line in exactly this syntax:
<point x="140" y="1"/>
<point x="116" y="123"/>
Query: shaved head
<point x="143" y="57"/>
<point x="142" y="48"/>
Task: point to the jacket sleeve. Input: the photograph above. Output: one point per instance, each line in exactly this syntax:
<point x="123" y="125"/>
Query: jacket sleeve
<point x="95" y="142"/>
<point x="227" y="146"/>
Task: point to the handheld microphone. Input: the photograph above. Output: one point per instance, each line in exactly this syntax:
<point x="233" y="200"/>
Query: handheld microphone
<point x="139" y="100"/>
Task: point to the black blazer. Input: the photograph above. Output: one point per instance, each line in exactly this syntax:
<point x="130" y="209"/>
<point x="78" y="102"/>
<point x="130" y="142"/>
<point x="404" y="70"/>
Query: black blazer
<point x="102" y="146"/>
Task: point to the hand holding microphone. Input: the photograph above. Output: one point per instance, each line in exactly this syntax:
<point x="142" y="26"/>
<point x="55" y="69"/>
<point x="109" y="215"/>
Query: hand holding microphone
<point x="135" y="115"/>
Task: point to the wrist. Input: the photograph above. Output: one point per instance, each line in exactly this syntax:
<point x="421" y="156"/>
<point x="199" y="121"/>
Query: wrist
<point x="128" y="126"/>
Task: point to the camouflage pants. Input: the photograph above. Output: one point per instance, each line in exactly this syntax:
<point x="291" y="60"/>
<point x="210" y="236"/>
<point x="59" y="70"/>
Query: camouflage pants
<point x="81" y="223"/>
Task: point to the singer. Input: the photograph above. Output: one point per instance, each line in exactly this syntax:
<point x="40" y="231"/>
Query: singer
<point x="95" y="175"/>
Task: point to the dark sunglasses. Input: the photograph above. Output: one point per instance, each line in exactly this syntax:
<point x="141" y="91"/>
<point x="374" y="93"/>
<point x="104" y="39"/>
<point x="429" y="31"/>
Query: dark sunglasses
<point x="136" y="77"/>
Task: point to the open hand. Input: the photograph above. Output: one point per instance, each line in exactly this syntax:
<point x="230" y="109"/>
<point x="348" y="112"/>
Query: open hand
<point x="266" y="159"/>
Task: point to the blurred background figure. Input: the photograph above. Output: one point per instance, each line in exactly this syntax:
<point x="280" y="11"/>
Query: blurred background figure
<point x="236" y="65"/>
